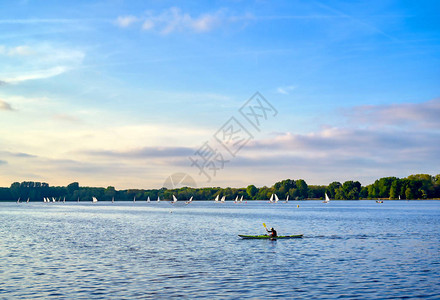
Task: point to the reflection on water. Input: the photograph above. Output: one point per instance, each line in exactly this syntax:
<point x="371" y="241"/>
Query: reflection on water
<point x="353" y="249"/>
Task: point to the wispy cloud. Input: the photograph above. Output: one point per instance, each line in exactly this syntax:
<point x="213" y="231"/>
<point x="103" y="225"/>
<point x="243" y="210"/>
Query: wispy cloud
<point x="146" y="152"/>
<point x="285" y="90"/>
<point x="40" y="74"/>
<point x="5" y="105"/>
<point x="126" y="21"/>
<point x="175" y="20"/>
<point x="425" y="114"/>
<point x="3" y="162"/>
<point x="15" y="51"/>
<point x="38" y="61"/>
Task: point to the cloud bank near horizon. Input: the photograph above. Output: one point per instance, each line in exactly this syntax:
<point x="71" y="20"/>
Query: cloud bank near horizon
<point x="334" y="153"/>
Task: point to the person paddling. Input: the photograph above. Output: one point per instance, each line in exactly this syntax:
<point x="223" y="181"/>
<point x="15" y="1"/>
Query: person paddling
<point x="272" y="232"/>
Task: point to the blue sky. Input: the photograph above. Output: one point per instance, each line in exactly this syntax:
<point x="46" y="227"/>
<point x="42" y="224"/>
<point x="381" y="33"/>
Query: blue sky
<point x="122" y="93"/>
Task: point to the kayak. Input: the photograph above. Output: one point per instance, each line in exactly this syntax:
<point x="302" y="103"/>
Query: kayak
<point x="269" y="237"/>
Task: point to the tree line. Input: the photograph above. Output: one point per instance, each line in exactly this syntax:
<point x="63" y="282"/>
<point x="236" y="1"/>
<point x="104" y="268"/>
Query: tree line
<point x="420" y="186"/>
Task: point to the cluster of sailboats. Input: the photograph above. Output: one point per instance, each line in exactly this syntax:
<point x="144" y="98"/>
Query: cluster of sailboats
<point x="273" y="199"/>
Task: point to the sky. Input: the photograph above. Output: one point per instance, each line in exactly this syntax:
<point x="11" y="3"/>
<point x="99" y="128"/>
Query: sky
<point x="230" y="93"/>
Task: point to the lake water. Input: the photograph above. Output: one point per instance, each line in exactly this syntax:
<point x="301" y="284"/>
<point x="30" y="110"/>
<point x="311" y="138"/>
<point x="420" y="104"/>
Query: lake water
<point x="350" y="249"/>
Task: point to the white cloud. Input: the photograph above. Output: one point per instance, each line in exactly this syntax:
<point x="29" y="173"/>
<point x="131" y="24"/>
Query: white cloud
<point x="285" y="90"/>
<point x="174" y="20"/>
<point x="37" y="61"/>
<point x="40" y="74"/>
<point x="126" y="21"/>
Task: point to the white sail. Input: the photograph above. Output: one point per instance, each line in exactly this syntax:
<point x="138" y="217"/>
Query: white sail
<point x="64" y="200"/>
<point x="77" y="200"/>
<point x="189" y="201"/>
<point x="276" y="198"/>
<point x="399" y="197"/>
<point x="134" y="199"/>
<point x="27" y="201"/>
<point x="216" y="198"/>
<point x="271" y="198"/>
<point x="287" y="198"/>
<point x="94" y="200"/>
<point x="44" y="199"/>
<point x="327" y="199"/>
<point x="113" y="199"/>
<point x="241" y="199"/>
<point x="53" y="199"/>
<point x="158" y="199"/>
<point x="236" y="199"/>
<point x="18" y="200"/>
<point x="148" y="199"/>
<point x="223" y="199"/>
<point x="174" y="199"/>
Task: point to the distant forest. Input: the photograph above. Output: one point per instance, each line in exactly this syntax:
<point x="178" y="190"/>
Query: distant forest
<point x="420" y="186"/>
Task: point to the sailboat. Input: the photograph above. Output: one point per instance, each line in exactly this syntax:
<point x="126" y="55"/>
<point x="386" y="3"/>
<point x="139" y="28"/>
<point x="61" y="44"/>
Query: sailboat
<point x="399" y="197"/>
<point x="27" y="201"/>
<point x="276" y="198"/>
<point x="113" y="200"/>
<point x="216" y="198"/>
<point x="53" y="199"/>
<point x="158" y="199"/>
<point x="327" y="199"/>
<point x="94" y="200"/>
<point x="189" y="201"/>
<point x="223" y="199"/>
<point x="134" y="199"/>
<point x="241" y="199"/>
<point x="77" y="200"/>
<point x="174" y="199"/>
<point x="236" y="199"/>
<point x="148" y="199"/>
<point x="287" y="199"/>
<point x="44" y="199"/>
<point x="64" y="200"/>
<point x="18" y="200"/>
<point x="271" y="198"/>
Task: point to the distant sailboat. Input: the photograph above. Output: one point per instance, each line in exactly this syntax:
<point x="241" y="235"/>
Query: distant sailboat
<point x="399" y="197"/>
<point x="148" y="199"/>
<point x="158" y="199"/>
<point x="27" y="201"/>
<point x="174" y="199"/>
<point x="271" y="198"/>
<point x="223" y="199"/>
<point x="189" y="201"/>
<point x="134" y="199"/>
<point x="44" y="199"/>
<point x="287" y="199"/>
<point x="241" y="199"/>
<point x="236" y="199"/>
<point x="64" y="200"/>
<point x="327" y="199"/>
<point x="18" y="200"/>
<point x="113" y="199"/>
<point x="94" y="200"/>
<point x="77" y="200"/>
<point x="216" y="198"/>
<point x="276" y="198"/>
<point x="53" y="199"/>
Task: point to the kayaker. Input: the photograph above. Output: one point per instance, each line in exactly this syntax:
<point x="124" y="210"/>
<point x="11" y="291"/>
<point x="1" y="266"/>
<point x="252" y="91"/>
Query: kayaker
<point x="272" y="232"/>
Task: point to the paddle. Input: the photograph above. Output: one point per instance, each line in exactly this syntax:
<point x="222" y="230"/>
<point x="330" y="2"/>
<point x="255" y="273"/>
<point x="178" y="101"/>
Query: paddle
<point x="264" y="224"/>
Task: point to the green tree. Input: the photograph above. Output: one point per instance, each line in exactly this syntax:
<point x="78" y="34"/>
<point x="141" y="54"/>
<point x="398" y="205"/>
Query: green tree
<point x="333" y="188"/>
<point x="252" y="191"/>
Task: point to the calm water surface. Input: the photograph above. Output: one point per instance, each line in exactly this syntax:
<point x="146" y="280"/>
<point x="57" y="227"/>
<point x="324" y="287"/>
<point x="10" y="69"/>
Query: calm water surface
<point x="350" y="249"/>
